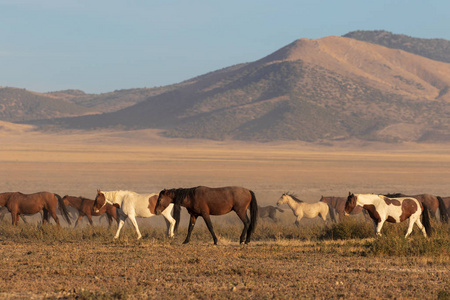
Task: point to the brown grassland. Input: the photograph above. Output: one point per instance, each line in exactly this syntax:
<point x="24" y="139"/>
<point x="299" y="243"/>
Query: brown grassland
<point x="315" y="260"/>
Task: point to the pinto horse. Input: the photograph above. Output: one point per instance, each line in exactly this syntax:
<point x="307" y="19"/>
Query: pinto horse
<point x="85" y="208"/>
<point x="302" y="209"/>
<point x="204" y="201"/>
<point x="132" y="205"/>
<point x="393" y="210"/>
<point x="28" y="204"/>
<point x="432" y="202"/>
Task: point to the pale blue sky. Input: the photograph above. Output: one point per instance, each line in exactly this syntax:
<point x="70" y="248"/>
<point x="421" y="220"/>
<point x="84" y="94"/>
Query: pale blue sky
<point x="104" y="45"/>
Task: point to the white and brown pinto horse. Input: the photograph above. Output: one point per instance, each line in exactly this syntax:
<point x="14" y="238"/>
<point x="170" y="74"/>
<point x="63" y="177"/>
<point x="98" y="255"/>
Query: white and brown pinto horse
<point x="131" y="205"/>
<point x="393" y="210"/>
<point x="302" y="209"/>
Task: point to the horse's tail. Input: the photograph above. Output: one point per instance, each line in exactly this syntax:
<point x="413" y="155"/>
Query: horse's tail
<point x="331" y="211"/>
<point x="63" y="208"/>
<point x="426" y="219"/>
<point x="176" y="215"/>
<point x="279" y="209"/>
<point x="253" y="216"/>
<point x="442" y="210"/>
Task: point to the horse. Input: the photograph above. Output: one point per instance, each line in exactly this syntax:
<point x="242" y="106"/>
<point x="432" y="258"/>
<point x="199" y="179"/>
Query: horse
<point x="446" y="201"/>
<point x="85" y="208"/>
<point x="302" y="209"/>
<point x="132" y="205"/>
<point x="338" y="204"/>
<point x="27" y="204"/>
<point x="205" y="201"/>
<point x="268" y="212"/>
<point x="4" y="211"/>
<point x="432" y="202"/>
<point x="393" y="210"/>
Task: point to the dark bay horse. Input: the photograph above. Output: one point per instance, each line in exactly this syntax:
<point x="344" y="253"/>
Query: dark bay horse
<point x="393" y="210"/>
<point x="338" y="204"/>
<point x="269" y="212"/>
<point x="85" y="208"/>
<point x="204" y="201"/>
<point x="28" y="204"/>
<point x="432" y="202"/>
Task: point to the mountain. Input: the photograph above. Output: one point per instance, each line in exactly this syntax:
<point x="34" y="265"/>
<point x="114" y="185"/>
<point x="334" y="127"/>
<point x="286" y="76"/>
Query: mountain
<point x="436" y="49"/>
<point x="311" y="90"/>
<point x="20" y="105"/>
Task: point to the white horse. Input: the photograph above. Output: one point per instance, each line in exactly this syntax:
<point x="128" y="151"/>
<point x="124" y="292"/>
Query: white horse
<point x="302" y="209"/>
<point x="132" y="205"/>
<point x="393" y="210"/>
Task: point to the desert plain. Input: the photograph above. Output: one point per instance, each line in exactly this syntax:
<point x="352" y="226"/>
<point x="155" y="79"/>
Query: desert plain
<point x="78" y="163"/>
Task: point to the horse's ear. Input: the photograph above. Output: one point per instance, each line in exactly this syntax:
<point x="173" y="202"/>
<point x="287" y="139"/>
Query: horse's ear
<point x="350" y="193"/>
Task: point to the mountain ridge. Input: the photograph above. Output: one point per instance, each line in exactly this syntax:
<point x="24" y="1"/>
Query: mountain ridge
<point x="311" y="90"/>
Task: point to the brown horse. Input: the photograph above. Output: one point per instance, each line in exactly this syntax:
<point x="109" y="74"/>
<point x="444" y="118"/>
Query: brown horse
<point x="85" y="208"/>
<point x="446" y="201"/>
<point x="18" y="203"/>
<point x="204" y="201"/>
<point x="269" y="212"/>
<point x="338" y="204"/>
<point x="432" y="202"/>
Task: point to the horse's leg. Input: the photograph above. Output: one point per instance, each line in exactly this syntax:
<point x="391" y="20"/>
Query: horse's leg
<point x="78" y="220"/>
<point x="133" y="221"/>
<point x="45" y="216"/>
<point x="410" y="226"/>
<point x="421" y="227"/>
<point x="15" y="217"/>
<point x="90" y="220"/>
<point x="55" y="217"/>
<point x="121" y="222"/>
<point x="192" y="220"/>
<point x="299" y="217"/>
<point x="109" y="220"/>
<point x="207" y="219"/>
<point x="244" y="218"/>
<point x="170" y="222"/>
<point x="378" y="227"/>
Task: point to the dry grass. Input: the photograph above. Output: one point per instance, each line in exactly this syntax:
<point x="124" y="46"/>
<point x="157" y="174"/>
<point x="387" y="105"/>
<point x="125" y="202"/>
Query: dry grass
<point x="283" y="261"/>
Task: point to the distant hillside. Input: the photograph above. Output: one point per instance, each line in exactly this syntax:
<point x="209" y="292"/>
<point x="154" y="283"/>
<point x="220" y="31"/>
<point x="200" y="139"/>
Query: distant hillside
<point x="311" y="90"/>
<point x="437" y="49"/>
<point x="19" y="105"/>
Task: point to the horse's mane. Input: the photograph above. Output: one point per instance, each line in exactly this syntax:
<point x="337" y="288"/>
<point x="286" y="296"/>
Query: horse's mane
<point x="294" y="197"/>
<point x="180" y="194"/>
<point x="395" y="195"/>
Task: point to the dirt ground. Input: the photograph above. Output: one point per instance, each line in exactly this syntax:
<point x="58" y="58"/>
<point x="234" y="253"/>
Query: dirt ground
<point x="79" y="164"/>
<point x="163" y="270"/>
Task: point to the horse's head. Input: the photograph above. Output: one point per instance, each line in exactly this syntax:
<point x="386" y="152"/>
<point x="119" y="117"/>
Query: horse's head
<point x="165" y="197"/>
<point x="99" y="202"/>
<point x="283" y="199"/>
<point x="350" y="204"/>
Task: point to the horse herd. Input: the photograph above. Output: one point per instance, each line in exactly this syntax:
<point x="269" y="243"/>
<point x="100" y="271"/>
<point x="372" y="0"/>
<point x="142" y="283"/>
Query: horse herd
<point x="204" y="201"/>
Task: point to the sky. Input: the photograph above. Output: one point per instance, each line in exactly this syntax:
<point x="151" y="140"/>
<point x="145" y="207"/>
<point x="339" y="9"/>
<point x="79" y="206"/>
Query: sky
<point x="100" y="46"/>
